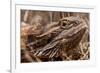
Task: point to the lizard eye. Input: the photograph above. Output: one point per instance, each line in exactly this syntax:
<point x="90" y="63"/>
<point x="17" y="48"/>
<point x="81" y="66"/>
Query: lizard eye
<point x="64" y="23"/>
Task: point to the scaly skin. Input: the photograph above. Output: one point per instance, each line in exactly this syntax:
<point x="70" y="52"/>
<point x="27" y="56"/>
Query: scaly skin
<point x="72" y="31"/>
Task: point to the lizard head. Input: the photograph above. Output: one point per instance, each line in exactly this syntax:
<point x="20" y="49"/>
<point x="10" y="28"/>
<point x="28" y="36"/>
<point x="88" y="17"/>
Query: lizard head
<point x="70" y="22"/>
<point x="75" y="28"/>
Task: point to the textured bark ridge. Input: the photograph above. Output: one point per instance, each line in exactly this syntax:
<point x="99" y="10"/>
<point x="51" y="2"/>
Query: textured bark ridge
<point x="65" y="39"/>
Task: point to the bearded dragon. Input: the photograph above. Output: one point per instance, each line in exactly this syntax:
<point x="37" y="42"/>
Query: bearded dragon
<point x="68" y="33"/>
